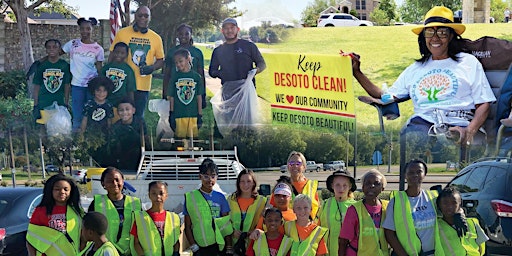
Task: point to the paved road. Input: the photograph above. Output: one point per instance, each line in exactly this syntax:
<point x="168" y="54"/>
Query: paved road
<point x="270" y="177"/>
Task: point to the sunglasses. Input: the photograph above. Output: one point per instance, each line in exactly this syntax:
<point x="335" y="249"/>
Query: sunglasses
<point x="296" y="163"/>
<point x="440" y="32"/>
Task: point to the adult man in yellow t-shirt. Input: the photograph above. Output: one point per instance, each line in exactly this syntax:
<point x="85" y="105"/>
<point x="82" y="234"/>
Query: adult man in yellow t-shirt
<point x="145" y="56"/>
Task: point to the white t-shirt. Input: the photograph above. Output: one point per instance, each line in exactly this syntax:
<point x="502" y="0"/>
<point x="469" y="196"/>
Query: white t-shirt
<point x="445" y="84"/>
<point x="83" y="58"/>
<point x="424" y="217"/>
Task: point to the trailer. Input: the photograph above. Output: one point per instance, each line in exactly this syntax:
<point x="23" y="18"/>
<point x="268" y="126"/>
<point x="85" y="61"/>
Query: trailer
<point x="180" y="170"/>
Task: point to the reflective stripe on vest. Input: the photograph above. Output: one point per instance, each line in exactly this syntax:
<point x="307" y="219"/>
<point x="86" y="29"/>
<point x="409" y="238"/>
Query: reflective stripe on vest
<point x="404" y="224"/>
<point x="310" y="190"/>
<point x="251" y="216"/>
<point x="260" y="246"/>
<point x="49" y="241"/>
<point x="201" y="218"/>
<point x="455" y="245"/>
<point x="331" y="218"/>
<point x="372" y="241"/>
<point x="307" y="247"/>
<point x="148" y="233"/>
<point x="104" y="205"/>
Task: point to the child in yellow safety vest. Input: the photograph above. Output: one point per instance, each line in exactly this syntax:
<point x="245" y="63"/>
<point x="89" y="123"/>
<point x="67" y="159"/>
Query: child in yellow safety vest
<point x="246" y="208"/>
<point x="361" y="233"/>
<point x="94" y="227"/>
<point x="207" y="223"/>
<point x="117" y="207"/>
<point x="333" y="210"/>
<point x="156" y="222"/>
<point x="308" y="238"/>
<point x="54" y="227"/>
<point x="472" y="243"/>
<point x="272" y="242"/>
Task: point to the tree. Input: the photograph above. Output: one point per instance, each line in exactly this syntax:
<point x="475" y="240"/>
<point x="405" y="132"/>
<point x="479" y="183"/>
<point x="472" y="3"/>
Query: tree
<point x="311" y="13"/>
<point x="21" y="9"/>
<point x="389" y="8"/>
<point x="379" y="17"/>
<point x="497" y="10"/>
<point x="415" y="10"/>
<point x="167" y="15"/>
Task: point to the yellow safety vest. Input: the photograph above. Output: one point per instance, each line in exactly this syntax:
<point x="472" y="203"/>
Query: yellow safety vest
<point x="201" y="218"/>
<point x="260" y="246"/>
<point x="104" y="205"/>
<point x="148" y="233"/>
<point x="53" y="242"/>
<point x="251" y="216"/>
<point x="331" y="218"/>
<point x="455" y="245"/>
<point x="404" y="224"/>
<point x="310" y="190"/>
<point x="308" y="246"/>
<point x="106" y="247"/>
<point x="372" y="241"/>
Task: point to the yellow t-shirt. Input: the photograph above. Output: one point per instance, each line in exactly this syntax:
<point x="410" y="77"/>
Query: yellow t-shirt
<point x="146" y="48"/>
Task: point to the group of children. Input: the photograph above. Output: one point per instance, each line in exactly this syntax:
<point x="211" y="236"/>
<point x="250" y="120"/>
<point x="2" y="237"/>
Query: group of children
<point x="243" y="223"/>
<point x="102" y="97"/>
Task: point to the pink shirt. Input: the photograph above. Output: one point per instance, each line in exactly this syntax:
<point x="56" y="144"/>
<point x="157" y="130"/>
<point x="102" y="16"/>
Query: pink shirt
<point x="350" y="227"/>
<point x="82" y="60"/>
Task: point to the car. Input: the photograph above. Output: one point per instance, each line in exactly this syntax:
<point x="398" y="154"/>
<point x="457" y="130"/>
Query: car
<point x="33" y="168"/>
<point x="51" y="168"/>
<point x="283" y="168"/>
<point x="341" y="20"/>
<point x="16" y="208"/>
<point x="79" y="175"/>
<point x="486" y="191"/>
<point x="334" y="165"/>
<point x="313" y="166"/>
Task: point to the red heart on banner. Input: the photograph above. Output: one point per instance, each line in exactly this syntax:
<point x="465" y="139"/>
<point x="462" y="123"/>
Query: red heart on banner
<point x="289" y="98"/>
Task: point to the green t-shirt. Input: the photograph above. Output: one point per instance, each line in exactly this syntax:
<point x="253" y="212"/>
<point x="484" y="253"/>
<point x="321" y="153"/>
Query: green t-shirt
<point x="195" y="53"/>
<point x="124" y="80"/>
<point x="184" y="88"/>
<point x="52" y="78"/>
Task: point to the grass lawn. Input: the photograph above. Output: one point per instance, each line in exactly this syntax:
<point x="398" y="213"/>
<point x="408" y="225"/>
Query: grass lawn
<point x="385" y="53"/>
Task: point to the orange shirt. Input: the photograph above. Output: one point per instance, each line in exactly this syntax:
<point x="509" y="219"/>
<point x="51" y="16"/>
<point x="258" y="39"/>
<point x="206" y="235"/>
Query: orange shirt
<point x="244" y="203"/>
<point x="304" y="233"/>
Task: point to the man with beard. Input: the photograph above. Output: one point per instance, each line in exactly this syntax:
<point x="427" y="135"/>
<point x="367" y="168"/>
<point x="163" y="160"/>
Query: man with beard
<point x="146" y="54"/>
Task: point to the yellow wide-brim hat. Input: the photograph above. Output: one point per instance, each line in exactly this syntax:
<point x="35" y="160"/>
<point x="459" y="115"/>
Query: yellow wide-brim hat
<point x="440" y="16"/>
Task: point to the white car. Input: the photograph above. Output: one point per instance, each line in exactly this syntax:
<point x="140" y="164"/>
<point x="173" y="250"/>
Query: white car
<point x="341" y="20"/>
<point x="80" y="175"/>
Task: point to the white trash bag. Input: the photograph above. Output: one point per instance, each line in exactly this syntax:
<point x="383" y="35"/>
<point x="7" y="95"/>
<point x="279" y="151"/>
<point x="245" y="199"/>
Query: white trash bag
<point x="236" y="104"/>
<point x="163" y="128"/>
<point x="59" y="120"/>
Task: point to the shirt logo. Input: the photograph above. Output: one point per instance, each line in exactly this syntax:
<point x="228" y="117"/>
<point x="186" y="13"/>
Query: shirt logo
<point x="434" y="87"/>
<point x="186" y="90"/>
<point x="98" y="114"/>
<point x="117" y="76"/>
<point x="52" y="79"/>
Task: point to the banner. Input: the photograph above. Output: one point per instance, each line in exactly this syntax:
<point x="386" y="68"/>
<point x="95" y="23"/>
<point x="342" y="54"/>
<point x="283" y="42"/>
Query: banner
<point x="311" y="91"/>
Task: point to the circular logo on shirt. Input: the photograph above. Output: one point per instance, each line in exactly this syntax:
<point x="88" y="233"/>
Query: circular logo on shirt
<point x="98" y="114"/>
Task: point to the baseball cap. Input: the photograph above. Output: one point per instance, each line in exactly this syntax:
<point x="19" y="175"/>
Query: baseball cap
<point x="229" y="21"/>
<point x="282" y="189"/>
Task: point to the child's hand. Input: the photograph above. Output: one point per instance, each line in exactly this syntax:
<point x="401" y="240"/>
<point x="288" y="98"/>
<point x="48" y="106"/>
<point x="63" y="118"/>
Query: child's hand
<point x="199" y="121"/>
<point x="460" y="223"/>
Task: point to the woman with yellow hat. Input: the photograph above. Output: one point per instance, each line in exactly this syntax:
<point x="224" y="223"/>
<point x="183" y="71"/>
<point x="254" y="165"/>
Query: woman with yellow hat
<point x="448" y="87"/>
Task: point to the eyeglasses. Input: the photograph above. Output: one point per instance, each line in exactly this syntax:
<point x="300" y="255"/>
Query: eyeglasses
<point x="296" y="163"/>
<point x="209" y="177"/>
<point x="440" y="32"/>
<point x="145" y="15"/>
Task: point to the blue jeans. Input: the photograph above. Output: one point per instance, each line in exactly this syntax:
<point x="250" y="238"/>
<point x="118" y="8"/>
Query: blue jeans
<point x="141" y="102"/>
<point x="79" y="96"/>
